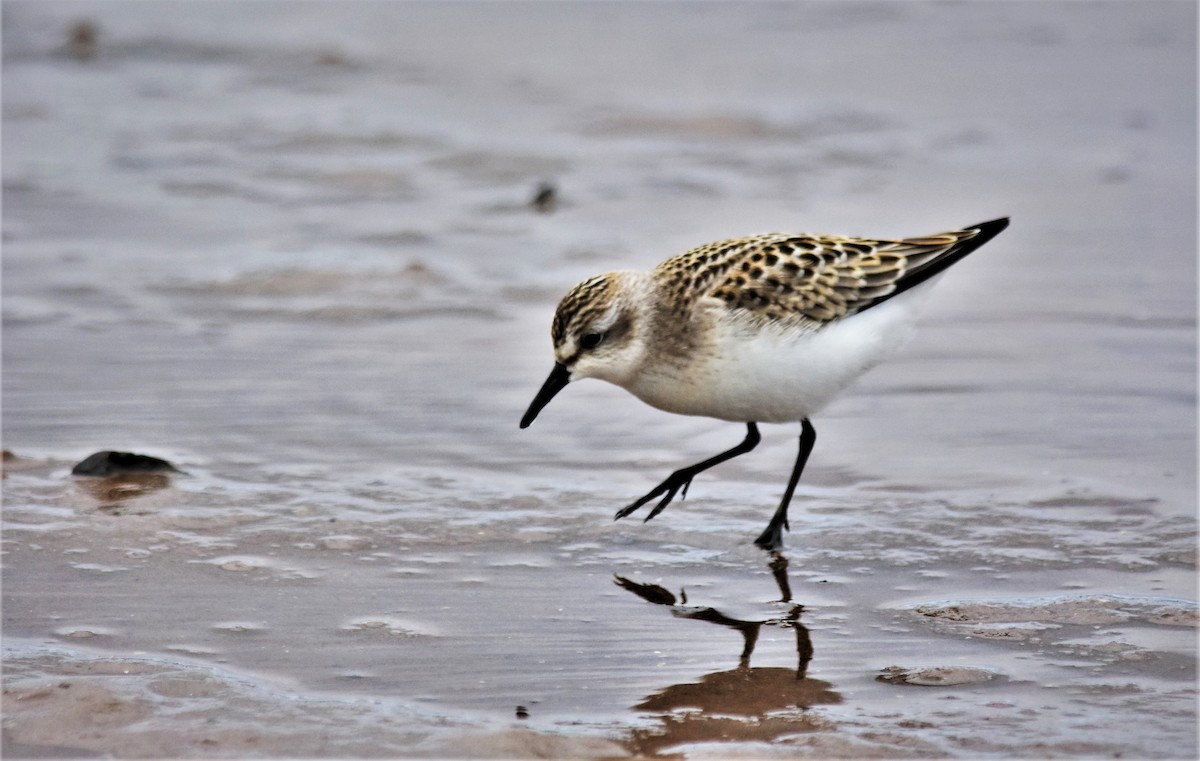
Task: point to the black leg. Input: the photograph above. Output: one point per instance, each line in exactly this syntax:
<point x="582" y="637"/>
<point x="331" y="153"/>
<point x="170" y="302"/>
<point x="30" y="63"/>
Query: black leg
<point x="772" y="537"/>
<point x="681" y="478"/>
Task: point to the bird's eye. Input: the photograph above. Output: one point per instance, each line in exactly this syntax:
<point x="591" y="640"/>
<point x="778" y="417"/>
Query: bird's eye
<point x="591" y="340"/>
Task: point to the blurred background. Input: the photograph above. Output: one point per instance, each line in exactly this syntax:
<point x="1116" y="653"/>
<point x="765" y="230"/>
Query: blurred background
<point x="309" y="252"/>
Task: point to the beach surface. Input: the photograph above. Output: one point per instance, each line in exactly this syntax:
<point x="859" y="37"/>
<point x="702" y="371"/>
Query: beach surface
<point x="294" y="249"/>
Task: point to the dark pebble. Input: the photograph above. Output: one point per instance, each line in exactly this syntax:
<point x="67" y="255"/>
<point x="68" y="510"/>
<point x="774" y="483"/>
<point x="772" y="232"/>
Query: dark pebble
<point x="113" y="463"/>
<point x="81" y="40"/>
<point x="545" y="198"/>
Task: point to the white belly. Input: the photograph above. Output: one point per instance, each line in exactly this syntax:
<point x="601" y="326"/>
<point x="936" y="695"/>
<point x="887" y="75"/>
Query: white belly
<point x="773" y="376"/>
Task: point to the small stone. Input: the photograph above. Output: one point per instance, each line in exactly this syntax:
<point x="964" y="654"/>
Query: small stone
<point x="109" y="463"/>
<point x="545" y="198"/>
<point x="81" y="40"/>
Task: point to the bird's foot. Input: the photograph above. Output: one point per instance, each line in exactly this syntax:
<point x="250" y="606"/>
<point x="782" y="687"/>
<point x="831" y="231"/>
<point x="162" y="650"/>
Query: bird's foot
<point x="676" y="483"/>
<point x="771" y="539"/>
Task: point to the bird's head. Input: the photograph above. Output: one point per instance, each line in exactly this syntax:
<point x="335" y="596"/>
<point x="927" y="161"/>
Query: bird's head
<point x="595" y="334"/>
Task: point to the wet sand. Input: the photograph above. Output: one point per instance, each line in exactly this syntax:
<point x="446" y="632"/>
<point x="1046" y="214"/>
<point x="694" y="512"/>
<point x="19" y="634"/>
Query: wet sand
<point x="292" y="249"/>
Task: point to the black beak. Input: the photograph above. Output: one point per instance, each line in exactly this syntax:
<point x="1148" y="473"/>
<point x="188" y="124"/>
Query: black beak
<point x="560" y="376"/>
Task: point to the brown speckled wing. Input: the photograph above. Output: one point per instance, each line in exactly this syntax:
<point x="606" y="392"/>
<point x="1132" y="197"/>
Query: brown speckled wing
<point x="799" y="278"/>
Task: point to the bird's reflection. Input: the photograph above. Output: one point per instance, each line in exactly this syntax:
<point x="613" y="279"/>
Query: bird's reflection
<point x="741" y="704"/>
<point x="749" y="629"/>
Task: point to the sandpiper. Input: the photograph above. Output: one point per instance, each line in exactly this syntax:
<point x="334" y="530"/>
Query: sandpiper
<point x="760" y="329"/>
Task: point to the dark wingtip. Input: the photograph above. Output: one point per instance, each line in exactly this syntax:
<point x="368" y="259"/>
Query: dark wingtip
<point x="987" y="230"/>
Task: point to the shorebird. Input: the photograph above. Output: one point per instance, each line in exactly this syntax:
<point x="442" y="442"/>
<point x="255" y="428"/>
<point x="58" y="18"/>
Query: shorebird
<point x="760" y="329"/>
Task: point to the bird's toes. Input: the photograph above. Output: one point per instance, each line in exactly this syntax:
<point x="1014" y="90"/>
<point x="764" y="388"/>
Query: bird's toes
<point x="628" y="510"/>
<point x="660" y="506"/>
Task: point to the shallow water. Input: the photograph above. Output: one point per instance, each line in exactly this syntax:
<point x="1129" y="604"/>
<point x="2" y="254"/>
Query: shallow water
<point x="290" y="249"/>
